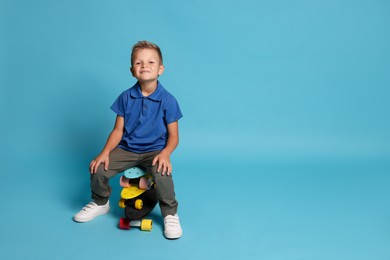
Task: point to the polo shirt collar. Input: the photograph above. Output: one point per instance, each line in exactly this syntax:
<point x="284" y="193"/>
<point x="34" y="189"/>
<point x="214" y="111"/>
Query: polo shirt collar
<point x="135" y="92"/>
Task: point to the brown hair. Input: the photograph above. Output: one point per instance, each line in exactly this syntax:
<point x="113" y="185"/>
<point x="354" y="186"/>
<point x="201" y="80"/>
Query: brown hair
<point x="145" y="45"/>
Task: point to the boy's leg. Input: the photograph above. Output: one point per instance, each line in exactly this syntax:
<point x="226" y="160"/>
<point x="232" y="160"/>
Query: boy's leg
<point x="120" y="160"/>
<point x="164" y="185"/>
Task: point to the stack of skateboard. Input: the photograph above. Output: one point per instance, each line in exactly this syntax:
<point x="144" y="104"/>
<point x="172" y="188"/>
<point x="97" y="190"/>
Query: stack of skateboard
<point x="138" y="198"/>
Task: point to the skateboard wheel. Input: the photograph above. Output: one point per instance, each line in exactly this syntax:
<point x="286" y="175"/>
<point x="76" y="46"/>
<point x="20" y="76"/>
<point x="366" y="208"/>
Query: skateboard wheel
<point x="122" y="203"/>
<point x="124" y="223"/>
<point x="138" y="204"/>
<point x="146" y="225"/>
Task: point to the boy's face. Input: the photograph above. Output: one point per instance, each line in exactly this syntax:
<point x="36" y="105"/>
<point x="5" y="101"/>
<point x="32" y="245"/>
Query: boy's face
<point x="146" y="65"/>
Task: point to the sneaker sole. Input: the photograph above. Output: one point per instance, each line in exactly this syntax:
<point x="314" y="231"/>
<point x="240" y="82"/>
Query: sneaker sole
<point x="82" y="220"/>
<point x="173" y="236"/>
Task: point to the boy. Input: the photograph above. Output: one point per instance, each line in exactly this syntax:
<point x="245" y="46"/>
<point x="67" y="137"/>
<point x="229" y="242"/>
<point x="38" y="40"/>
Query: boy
<point x="145" y="134"/>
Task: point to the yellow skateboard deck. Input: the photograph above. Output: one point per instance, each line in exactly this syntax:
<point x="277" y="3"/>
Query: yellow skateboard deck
<point x="133" y="191"/>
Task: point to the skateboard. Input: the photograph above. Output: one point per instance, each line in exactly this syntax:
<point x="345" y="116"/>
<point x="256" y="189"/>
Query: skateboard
<point x="137" y="202"/>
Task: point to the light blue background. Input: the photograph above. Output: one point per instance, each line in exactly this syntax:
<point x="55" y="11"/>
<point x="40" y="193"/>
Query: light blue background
<point x="285" y="145"/>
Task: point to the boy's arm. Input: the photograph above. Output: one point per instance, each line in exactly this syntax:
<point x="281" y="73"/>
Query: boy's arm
<point x="113" y="140"/>
<point x="163" y="159"/>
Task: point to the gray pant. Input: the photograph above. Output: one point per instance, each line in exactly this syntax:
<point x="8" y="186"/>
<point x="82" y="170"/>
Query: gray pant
<point x="121" y="160"/>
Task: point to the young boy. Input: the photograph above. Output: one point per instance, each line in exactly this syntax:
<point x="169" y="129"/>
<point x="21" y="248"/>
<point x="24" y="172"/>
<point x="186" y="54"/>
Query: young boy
<point x="145" y="134"/>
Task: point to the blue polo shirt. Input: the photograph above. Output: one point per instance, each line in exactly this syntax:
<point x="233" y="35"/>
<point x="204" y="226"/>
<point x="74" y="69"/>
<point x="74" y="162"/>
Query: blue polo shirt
<point x="146" y="118"/>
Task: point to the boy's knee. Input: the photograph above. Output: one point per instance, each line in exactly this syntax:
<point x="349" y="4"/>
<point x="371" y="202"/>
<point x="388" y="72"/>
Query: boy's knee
<point x="164" y="181"/>
<point x="101" y="173"/>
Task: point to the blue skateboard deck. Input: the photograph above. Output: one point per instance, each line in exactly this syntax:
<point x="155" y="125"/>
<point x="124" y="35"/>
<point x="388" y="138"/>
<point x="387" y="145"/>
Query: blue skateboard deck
<point x="134" y="172"/>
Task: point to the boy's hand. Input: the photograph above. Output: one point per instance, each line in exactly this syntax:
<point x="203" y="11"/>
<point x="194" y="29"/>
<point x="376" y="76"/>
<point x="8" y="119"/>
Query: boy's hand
<point x="102" y="158"/>
<point x="164" y="163"/>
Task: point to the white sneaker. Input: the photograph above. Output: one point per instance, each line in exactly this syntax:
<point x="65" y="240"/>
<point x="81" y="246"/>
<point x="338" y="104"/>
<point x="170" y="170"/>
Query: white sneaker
<point x="172" y="228"/>
<point x="91" y="211"/>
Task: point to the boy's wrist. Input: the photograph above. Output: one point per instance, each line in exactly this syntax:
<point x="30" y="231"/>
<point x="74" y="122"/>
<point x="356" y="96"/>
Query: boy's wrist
<point x="105" y="152"/>
<point x="166" y="153"/>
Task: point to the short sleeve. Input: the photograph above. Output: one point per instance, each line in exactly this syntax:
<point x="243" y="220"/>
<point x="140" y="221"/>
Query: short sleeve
<point x="119" y="106"/>
<point x="172" y="111"/>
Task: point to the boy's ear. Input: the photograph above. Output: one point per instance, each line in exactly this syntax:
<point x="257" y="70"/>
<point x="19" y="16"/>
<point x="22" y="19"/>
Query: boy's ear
<point x="161" y="70"/>
<point x="132" y="71"/>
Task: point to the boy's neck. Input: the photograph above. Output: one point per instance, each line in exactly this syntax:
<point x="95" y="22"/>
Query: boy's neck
<point x="148" y="87"/>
